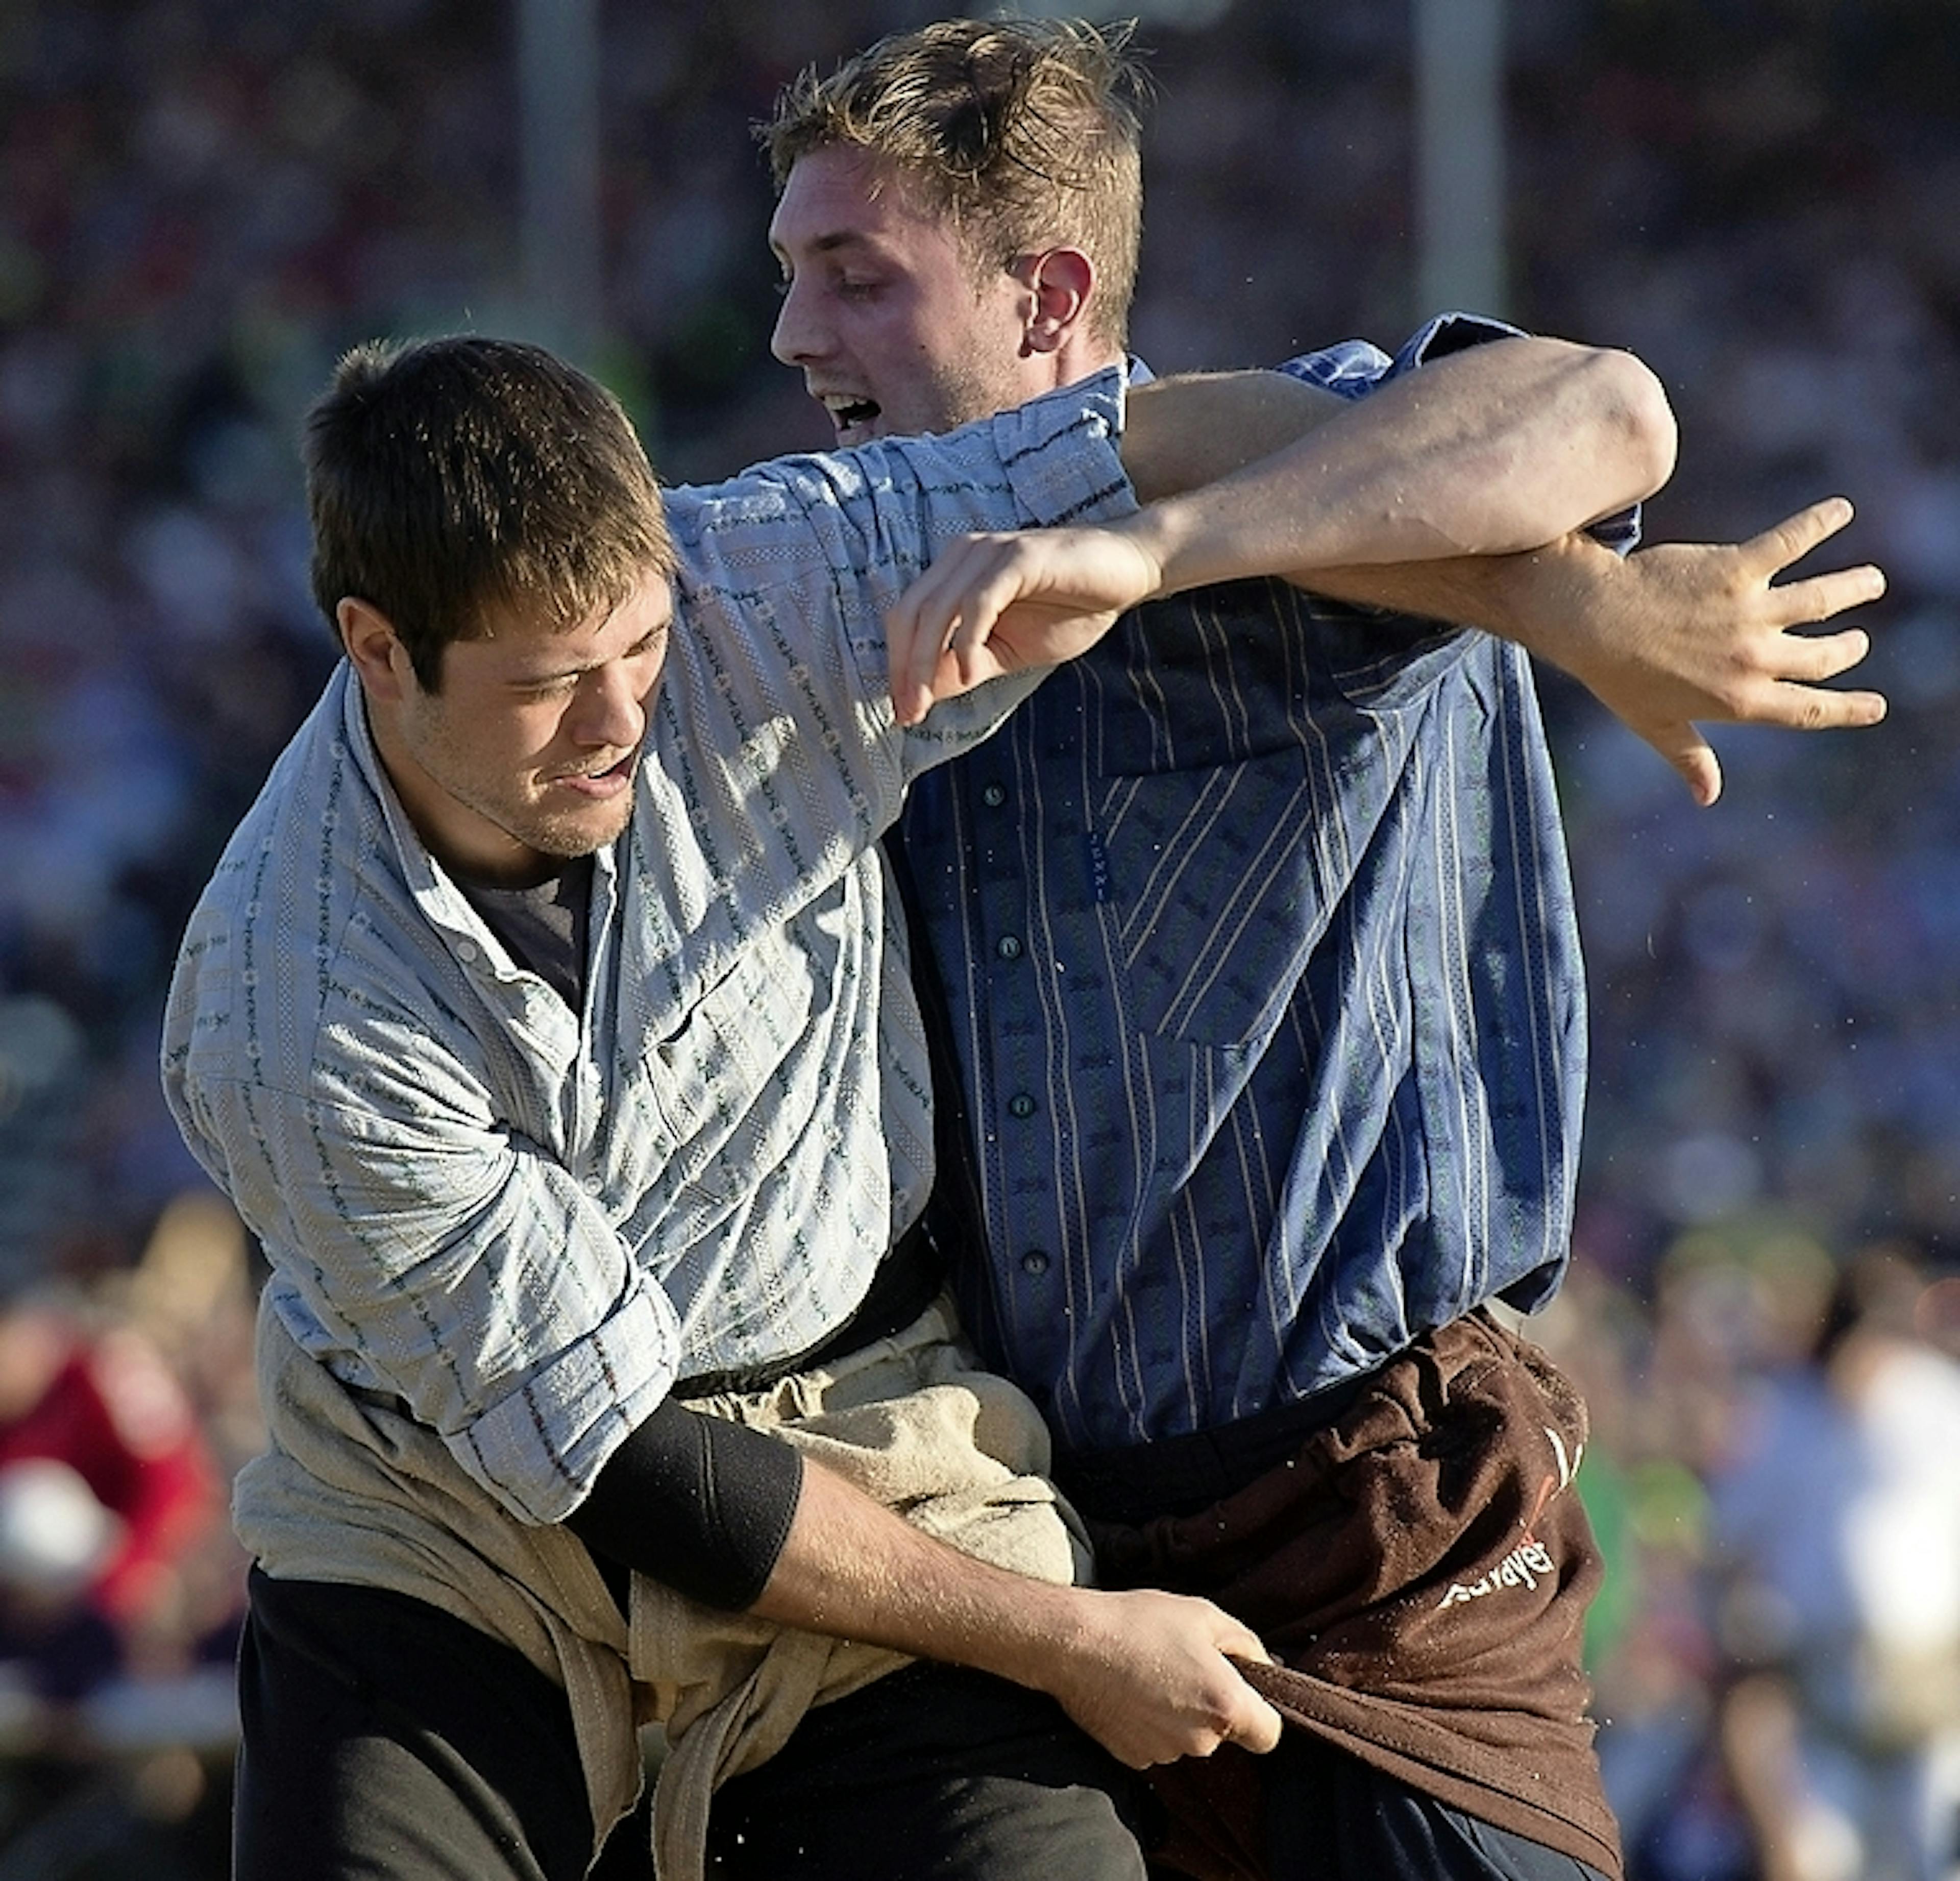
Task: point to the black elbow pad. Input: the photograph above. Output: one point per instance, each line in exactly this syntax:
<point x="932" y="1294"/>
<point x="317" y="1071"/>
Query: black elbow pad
<point x="699" y="1502"/>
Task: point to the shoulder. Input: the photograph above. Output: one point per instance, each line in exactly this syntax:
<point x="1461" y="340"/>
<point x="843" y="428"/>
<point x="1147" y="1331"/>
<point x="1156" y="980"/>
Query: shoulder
<point x="309" y="867"/>
<point x="1352" y="368"/>
<point x="1046" y="462"/>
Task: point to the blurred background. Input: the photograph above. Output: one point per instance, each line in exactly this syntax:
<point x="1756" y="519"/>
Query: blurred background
<point x="202" y="202"/>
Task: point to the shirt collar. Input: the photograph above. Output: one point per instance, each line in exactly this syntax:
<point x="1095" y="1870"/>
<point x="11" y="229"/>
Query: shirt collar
<point x="435" y="892"/>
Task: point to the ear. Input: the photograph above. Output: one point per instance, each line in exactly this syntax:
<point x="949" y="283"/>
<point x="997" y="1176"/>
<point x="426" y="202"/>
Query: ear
<point x="374" y="650"/>
<point x="1061" y="280"/>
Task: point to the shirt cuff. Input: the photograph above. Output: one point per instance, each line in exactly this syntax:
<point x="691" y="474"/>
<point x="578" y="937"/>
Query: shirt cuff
<point x="539" y="1449"/>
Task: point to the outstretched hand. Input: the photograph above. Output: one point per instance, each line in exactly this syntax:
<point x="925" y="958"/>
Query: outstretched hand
<point x="1684" y="633"/>
<point x="991" y="604"/>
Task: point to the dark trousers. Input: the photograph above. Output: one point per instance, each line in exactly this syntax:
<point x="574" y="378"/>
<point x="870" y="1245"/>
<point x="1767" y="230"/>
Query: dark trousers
<point x="1330" y="1817"/>
<point x="385" y="1741"/>
<point x="932" y="1771"/>
<point x="382" y="1738"/>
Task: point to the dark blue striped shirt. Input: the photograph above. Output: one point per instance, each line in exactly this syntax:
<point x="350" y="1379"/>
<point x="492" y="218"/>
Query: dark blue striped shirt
<point x="1258" y="940"/>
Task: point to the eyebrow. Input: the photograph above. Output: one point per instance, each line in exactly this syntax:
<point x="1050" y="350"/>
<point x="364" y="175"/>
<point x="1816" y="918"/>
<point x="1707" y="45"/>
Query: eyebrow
<point x="545" y="675"/>
<point x="830" y="242"/>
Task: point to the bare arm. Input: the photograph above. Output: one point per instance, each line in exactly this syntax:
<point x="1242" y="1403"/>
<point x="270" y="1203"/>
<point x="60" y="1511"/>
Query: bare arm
<point x="1505" y="446"/>
<point x="1672" y="635"/>
<point x="1669" y="636"/>
<point x="1145" y="1673"/>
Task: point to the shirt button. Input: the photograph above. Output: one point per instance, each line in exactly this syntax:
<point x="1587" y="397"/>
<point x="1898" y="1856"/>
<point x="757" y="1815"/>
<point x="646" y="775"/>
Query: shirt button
<point x="593" y="1185"/>
<point x="1008" y="946"/>
<point x="993" y="795"/>
<point x="465" y="951"/>
<point x="1021" y="1105"/>
<point x="1034" y="1261"/>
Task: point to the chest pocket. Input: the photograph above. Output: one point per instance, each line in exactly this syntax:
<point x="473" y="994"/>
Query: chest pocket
<point x="725" y="1038"/>
<point x="749" y="1045"/>
<point x="1216" y="884"/>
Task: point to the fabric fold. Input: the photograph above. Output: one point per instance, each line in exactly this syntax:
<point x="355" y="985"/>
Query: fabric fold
<point x="354" y="1491"/>
<point x="1420" y="1570"/>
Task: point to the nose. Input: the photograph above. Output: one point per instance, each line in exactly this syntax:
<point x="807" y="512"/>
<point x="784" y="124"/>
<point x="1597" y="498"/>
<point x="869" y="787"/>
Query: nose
<point x="609" y="711"/>
<point x="800" y="335"/>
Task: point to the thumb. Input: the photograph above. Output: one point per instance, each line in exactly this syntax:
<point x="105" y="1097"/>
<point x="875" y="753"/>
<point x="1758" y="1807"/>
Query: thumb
<point x="1255" y="1724"/>
<point x="1237" y="1640"/>
<point x="1257" y="1727"/>
<point x="1691" y="754"/>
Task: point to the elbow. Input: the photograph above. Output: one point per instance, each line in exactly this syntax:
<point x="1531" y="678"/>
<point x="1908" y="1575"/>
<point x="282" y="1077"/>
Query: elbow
<point x="1641" y="421"/>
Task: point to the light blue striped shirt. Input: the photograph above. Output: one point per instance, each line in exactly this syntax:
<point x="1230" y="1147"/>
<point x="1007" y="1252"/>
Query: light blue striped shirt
<point x="1258" y="942"/>
<point x="527" y="1223"/>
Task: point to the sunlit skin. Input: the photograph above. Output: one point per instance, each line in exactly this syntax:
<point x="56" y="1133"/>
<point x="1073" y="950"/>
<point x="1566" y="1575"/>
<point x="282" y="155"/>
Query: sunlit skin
<point x="895" y="329"/>
<point x="525" y="756"/>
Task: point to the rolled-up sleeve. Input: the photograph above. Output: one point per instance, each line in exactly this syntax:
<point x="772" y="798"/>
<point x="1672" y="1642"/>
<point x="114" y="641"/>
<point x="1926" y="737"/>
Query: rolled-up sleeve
<point x="833" y="538"/>
<point x="430" y="1252"/>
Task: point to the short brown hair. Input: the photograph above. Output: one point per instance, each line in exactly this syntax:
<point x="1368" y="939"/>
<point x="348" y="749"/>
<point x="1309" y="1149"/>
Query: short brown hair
<point x="445" y="477"/>
<point x="1021" y="133"/>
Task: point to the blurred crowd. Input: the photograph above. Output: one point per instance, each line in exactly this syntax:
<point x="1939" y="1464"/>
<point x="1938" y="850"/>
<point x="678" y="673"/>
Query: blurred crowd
<point x="202" y="201"/>
<point x="127" y="1401"/>
<point x="1776" y="1654"/>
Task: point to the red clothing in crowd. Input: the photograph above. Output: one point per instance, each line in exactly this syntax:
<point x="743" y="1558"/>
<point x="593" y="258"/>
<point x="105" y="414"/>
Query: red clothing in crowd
<point x="114" y="1415"/>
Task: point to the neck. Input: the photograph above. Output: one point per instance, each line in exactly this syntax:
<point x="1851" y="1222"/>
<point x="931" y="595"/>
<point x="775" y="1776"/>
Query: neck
<point x="469" y="845"/>
<point x="1079" y="358"/>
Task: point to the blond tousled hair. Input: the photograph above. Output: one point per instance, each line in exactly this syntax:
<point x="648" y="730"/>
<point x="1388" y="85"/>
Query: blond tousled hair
<point x="1022" y="134"/>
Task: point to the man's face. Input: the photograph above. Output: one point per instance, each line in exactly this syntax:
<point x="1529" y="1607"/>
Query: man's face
<point x="894" y="330"/>
<point x="526" y="756"/>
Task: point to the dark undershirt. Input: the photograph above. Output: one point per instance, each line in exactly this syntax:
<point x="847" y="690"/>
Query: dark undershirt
<point x="545" y="929"/>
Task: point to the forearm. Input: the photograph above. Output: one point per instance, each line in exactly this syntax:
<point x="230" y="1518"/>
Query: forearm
<point x="1145" y="1673"/>
<point x="1667" y="636"/>
<point x="855" y="1569"/>
<point x="1598" y="616"/>
<point x="1551" y="600"/>
<point x="1663" y="638"/>
<point x="1183" y="432"/>
<point x="1573" y="602"/>
<point x="699" y="1503"/>
<point x="1504" y="447"/>
<point x="840" y="1563"/>
<point x="1515" y="596"/>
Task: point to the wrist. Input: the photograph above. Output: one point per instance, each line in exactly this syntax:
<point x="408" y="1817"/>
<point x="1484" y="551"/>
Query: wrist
<point x="1548" y="599"/>
<point x="1035" y="1637"/>
<point x="1148" y="537"/>
<point x="1167" y="537"/>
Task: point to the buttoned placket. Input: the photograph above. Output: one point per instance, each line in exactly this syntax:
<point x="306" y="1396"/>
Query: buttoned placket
<point x="1001" y="875"/>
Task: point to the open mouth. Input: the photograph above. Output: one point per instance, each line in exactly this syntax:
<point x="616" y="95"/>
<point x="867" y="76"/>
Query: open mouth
<point x="852" y="415"/>
<point x="600" y="783"/>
